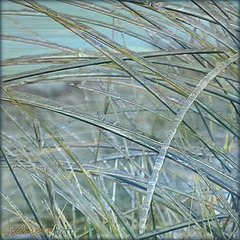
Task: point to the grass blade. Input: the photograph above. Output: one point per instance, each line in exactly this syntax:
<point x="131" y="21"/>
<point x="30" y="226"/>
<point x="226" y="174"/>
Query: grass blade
<point x="171" y="133"/>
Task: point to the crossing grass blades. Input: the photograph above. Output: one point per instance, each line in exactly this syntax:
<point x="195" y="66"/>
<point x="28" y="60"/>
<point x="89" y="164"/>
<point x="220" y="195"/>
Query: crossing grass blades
<point x="139" y="143"/>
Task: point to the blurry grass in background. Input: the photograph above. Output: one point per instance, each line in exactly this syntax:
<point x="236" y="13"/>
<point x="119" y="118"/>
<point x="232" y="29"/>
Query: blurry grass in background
<point x="120" y="118"/>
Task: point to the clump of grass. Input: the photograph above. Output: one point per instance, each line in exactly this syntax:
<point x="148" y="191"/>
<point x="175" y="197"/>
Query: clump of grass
<point x="137" y="136"/>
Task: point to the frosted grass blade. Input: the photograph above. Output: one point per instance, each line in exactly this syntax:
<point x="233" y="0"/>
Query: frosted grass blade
<point x="171" y="133"/>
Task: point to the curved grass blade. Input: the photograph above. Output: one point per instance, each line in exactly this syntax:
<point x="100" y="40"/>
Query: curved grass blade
<point x="171" y="133"/>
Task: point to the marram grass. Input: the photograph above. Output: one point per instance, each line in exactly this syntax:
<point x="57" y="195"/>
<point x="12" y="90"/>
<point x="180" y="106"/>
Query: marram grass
<point x="120" y="120"/>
